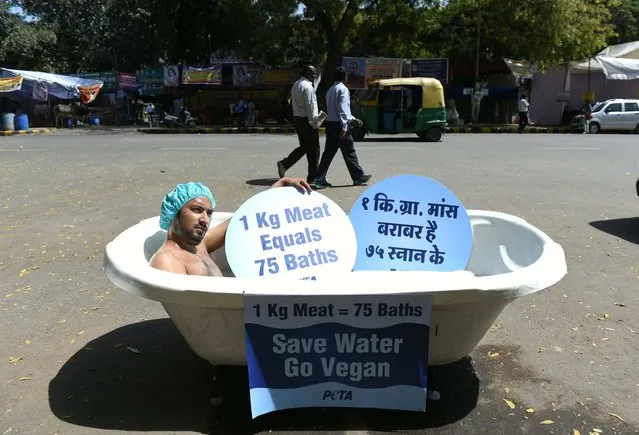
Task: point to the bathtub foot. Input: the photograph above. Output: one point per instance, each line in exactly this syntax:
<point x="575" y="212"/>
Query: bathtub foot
<point x="216" y="401"/>
<point x="217" y="397"/>
<point x="433" y="395"/>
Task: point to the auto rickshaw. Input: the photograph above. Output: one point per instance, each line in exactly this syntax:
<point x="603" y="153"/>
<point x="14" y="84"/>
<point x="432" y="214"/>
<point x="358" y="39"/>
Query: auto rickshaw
<point x="403" y="105"/>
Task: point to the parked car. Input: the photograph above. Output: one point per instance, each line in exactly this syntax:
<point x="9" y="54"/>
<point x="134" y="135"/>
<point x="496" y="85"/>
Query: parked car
<point x="610" y="115"/>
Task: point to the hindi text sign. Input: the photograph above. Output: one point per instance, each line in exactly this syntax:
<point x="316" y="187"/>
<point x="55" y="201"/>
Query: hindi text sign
<point x="434" y="68"/>
<point x="410" y="222"/>
<point x="356" y="351"/>
<point x="284" y="232"/>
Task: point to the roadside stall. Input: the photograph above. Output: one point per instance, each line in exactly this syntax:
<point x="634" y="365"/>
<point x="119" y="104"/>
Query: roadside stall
<point x="43" y="97"/>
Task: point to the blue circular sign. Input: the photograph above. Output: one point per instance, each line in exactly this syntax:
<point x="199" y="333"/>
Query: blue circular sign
<point x="410" y="222"/>
<point x="282" y="232"/>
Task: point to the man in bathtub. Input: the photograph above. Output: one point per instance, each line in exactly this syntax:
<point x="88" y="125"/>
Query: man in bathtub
<point x="186" y="215"/>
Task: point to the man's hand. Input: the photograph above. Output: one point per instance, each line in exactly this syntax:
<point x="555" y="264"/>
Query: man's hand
<point x="299" y="183"/>
<point x="358" y="122"/>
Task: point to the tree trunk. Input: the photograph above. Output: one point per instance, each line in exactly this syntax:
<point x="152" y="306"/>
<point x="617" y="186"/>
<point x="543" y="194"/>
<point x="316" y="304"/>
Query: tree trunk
<point x="335" y="45"/>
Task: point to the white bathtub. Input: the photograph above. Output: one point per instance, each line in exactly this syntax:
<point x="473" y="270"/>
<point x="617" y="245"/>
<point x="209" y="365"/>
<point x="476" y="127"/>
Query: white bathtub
<point x="510" y="258"/>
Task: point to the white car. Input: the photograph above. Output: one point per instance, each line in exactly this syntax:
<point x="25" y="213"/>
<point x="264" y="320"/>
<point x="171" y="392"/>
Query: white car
<point x="618" y="114"/>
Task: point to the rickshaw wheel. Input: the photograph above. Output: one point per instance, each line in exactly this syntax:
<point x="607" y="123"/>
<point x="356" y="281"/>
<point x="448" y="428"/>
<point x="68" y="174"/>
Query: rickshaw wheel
<point x="358" y="134"/>
<point x="433" y="134"/>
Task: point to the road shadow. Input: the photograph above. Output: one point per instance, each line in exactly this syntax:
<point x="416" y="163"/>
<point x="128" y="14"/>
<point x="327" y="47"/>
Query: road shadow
<point x="144" y="377"/>
<point x="624" y="228"/>
<point x="269" y="182"/>
<point x="262" y="181"/>
<point x="108" y="385"/>
<point x="391" y="138"/>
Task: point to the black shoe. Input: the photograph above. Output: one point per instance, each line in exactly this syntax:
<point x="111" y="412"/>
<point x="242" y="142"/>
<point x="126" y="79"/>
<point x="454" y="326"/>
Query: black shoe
<point x="363" y="180"/>
<point x="281" y="170"/>
<point x="320" y="184"/>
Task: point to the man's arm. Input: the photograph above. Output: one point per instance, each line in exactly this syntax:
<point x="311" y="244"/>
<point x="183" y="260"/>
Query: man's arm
<point x="345" y="114"/>
<point x="299" y="183"/>
<point x="214" y="238"/>
<point x="168" y="263"/>
<point x="311" y="105"/>
<point x="344" y="108"/>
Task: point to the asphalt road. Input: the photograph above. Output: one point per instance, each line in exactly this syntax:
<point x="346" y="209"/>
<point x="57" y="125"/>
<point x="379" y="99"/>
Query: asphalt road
<point x="78" y="355"/>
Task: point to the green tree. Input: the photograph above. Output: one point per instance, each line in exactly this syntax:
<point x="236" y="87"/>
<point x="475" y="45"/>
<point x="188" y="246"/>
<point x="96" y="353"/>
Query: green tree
<point x="550" y="32"/>
<point x="24" y="45"/>
<point x="625" y="18"/>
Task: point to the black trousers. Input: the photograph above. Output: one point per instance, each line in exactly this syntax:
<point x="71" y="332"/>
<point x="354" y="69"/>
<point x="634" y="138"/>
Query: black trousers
<point x="335" y="141"/>
<point x="523" y="121"/>
<point x="309" y="145"/>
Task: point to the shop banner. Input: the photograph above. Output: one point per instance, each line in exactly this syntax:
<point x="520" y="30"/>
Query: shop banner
<point x="108" y="78"/>
<point x="245" y="75"/>
<point x="88" y="93"/>
<point x="433" y="68"/>
<point x="150" y="76"/>
<point x="355" y="72"/>
<point x="382" y="68"/>
<point x="171" y="76"/>
<point x="127" y="82"/>
<point x="202" y="76"/>
<point x="40" y="91"/>
<point x="277" y="77"/>
<point x="353" y="351"/>
<point x="151" y="81"/>
<point x="11" y="84"/>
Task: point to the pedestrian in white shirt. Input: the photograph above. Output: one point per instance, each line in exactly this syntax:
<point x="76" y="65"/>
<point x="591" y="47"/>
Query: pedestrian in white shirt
<point x="523" y="113"/>
<point x="339" y="121"/>
<point x="305" y="119"/>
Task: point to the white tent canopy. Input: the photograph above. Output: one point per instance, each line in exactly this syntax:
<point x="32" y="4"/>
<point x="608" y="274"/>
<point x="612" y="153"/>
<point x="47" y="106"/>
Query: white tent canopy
<point x="617" y="62"/>
<point x="59" y="86"/>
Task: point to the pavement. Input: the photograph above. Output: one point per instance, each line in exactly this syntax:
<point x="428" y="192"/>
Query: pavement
<point x="78" y="355"/>
<point x="291" y="130"/>
<point x="23" y="132"/>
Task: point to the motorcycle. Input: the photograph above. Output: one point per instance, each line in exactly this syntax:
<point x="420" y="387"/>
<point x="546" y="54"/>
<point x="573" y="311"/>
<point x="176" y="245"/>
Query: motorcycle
<point x="174" y="121"/>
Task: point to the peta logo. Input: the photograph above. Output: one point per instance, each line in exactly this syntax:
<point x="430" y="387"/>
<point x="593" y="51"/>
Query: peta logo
<point x="338" y="395"/>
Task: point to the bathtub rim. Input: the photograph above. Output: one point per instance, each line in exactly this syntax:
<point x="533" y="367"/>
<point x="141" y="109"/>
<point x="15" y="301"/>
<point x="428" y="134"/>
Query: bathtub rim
<point x="227" y="292"/>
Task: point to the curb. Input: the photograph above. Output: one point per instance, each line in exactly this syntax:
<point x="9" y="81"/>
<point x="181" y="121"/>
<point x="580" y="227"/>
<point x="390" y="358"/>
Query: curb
<point x="291" y="130"/>
<point x="24" y="132"/>
<point x="547" y="130"/>
<point x="220" y="130"/>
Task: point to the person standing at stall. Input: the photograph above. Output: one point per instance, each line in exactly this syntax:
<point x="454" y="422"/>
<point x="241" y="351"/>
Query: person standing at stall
<point x="305" y="119"/>
<point x="523" y="113"/>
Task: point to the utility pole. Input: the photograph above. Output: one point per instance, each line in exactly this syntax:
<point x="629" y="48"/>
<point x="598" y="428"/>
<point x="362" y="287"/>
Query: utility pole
<point x="476" y="87"/>
<point x="209" y="36"/>
<point x="477" y="48"/>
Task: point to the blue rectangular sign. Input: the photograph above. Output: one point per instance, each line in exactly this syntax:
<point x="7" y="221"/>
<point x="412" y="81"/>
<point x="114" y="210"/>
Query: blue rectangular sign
<point x="366" y="351"/>
<point x="434" y="68"/>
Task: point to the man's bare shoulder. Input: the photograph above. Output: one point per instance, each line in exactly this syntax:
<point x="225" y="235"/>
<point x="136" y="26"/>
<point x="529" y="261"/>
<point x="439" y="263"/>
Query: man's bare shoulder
<point x="165" y="260"/>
